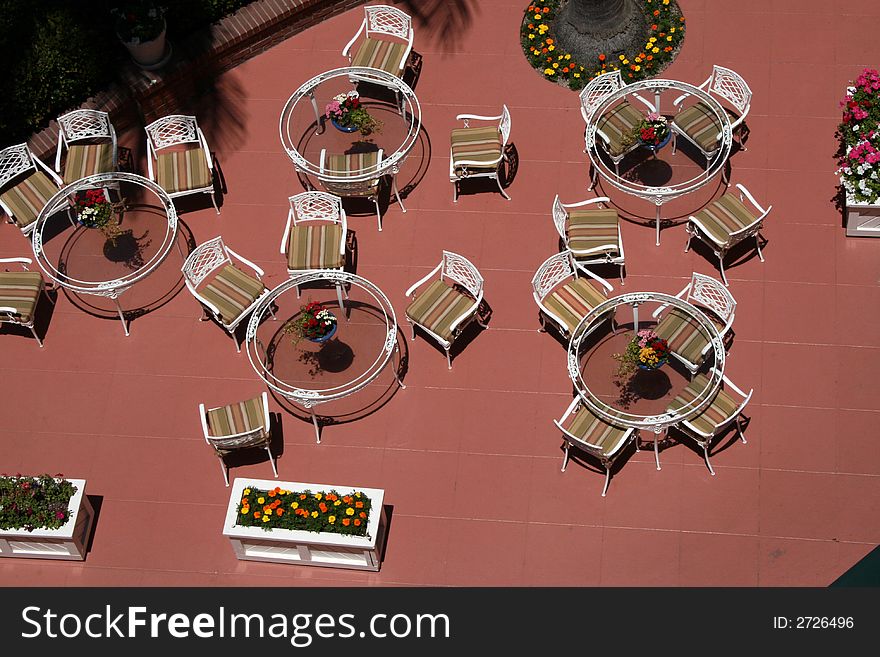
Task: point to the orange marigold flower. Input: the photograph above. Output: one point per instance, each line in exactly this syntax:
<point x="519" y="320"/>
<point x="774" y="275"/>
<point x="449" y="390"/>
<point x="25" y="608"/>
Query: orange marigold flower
<point x="546" y="9"/>
<point x="565" y="70"/>
<point x="549" y="41"/>
<point x="323" y="507"/>
<point x="650" y="57"/>
<point x="357" y="522"/>
<point x="279" y="512"/>
<point x="653" y="27"/>
<point x="346" y="522"/>
<point x="256" y="514"/>
<point x="302" y="496"/>
<point x="362" y="514"/>
<point x="656" y="12"/>
<point x="543" y="51"/>
<point x="358" y="505"/>
<point x="602" y="57"/>
<point x="271" y="493"/>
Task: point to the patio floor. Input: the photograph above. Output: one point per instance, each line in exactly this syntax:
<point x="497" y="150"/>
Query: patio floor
<point x="469" y="458"/>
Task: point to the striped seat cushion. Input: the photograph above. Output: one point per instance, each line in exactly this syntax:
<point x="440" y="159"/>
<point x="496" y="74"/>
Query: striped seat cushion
<point x="236" y="418"/>
<point x="183" y="171"/>
<point x="438" y="306"/>
<point x="20" y="290"/>
<point x="480" y="145"/>
<point x="381" y="54"/>
<point x="27" y="198"/>
<point x="701" y="125"/>
<point x="86" y="160"/>
<point x="315" y="246"/>
<point x="573" y="301"/>
<point x="341" y="166"/>
<point x="723" y="217"/>
<point x="594" y="430"/>
<point x="619" y="124"/>
<point x="720" y="411"/>
<point x="684" y="335"/>
<point x="593" y="231"/>
<point x="231" y="291"/>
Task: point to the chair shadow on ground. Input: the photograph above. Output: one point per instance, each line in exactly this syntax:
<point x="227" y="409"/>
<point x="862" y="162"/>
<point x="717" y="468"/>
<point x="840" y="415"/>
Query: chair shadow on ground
<point x="361" y="404"/>
<point x="470" y="333"/>
<point x="720" y="443"/>
<point x="43" y="314"/>
<point x="257" y="455"/>
<point x="593" y="465"/>
<point x="506" y="176"/>
<point x="741" y="253"/>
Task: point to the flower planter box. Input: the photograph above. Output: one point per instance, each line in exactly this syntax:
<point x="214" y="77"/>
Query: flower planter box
<point x="67" y="542"/>
<point x="301" y="547"/>
<point x="862" y="219"/>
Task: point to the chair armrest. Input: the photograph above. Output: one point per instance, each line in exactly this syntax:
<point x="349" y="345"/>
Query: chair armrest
<point x="681" y="98"/>
<point x="9" y="310"/>
<point x="23" y="261"/>
<point x="266" y="415"/>
<point x="596" y="277"/>
<point x="203" y="416"/>
<point x="568" y="411"/>
<point x="645" y="102"/>
<point x="286" y="235"/>
<point x="464" y="117"/>
<point x="204" y="143"/>
<point x="680" y="295"/>
<point x="407" y="50"/>
<point x="728" y="382"/>
<point x="464" y="315"/>
<point x="54" y="176"/>
<point x="151" y="155"/>
<point x="598" y="199"/>
<point x="580" y="441"/>
<point x="246" y="261"/>
<point x="354" y="39"/>
<point x="426" y="278"/>
<point x="58" y="150"/>
<point x="483" y="164"/>
<point x="745" y="194"/>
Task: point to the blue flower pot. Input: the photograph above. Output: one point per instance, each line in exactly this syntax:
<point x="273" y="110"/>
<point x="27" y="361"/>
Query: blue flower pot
<point x="324" y="338"/>
<point x="656" y="367"/>
<point x="342" y="128"/>
<point x="656" y="147"/>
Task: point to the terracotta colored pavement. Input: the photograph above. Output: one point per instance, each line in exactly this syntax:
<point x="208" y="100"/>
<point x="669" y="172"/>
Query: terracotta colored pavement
<point x="469" y="458"/>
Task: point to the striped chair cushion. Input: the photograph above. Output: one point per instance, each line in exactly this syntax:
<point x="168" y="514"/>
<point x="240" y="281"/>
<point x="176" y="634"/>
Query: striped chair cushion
<point x="236" y="418"/>
<point x="347" y="164"/>
<point x="720" y="411"/>
<point x="315" y="246"/>
<point x="377" y="53"/>
<point x="183" y="171"/>
<point x="438" y="306"/>
<point x="684" y="335"/>
<point x="701" y="125"/>
<point x="27" y="198"/>
<point x="593" y="231"/>
<point x="596" y="431"/>
<point x="725" y="216"/>
<point x="573" y="301"/>
<point x="86" y="160"/>
<point x="20" y="290"/>
<point x="481" y="145"/>
<point x="619" y="124"/>
<point x="232" y="291"/>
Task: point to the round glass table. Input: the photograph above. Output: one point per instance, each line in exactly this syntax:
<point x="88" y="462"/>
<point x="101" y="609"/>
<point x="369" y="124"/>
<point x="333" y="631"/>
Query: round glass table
<point x="310" y="153"/>
<point x="307" y="371"/>
<point x="656" y="194"/>
<point x="640" y="401"/>
<point x="103" y="233"/>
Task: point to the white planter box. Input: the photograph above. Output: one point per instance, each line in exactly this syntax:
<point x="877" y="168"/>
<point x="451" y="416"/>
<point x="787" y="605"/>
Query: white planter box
<point x="862" y="219"/>
<point x="307" y="548"/>
<point x="67" y="542"/>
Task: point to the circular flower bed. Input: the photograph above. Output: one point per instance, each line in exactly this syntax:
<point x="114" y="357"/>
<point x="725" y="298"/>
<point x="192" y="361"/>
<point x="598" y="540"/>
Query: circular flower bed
<point x="666" y="33"/>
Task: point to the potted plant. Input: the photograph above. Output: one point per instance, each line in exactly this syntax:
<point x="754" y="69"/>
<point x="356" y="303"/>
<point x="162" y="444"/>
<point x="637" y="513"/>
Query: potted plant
<point x="653" y="132"/>
<point x="646" y="351"/>
<point x="314" y="323"/>
<point x="140" y="26"/>
<point x="302" y="523"/>
<point x="94" y="210"/>
<point x="44" y="517"/>
<point x="347" y="114"/>
<point x="859" y="155"/>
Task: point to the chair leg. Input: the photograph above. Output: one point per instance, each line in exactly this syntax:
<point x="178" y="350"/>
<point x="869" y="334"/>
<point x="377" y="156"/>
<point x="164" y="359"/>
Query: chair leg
<point x="674" y="141"/>
<point x="378" y="214"/>
<point x="413" y="329"/>
<point x="500" y="188"/>
<point x="225" y="472"/>
<point x="214" y="201"/>
<point x="687" y="247"/>
<point x="721" y="266"/>
<point x="607" y="479"/>
<point x="448" y="358"/>
<point x="739" y="430"/>
<point x="272" y="461"/>
<point x="656" y="452"/>
<point x="455" y="191"/>
<point x="297" y="291"/>
<point x="758" y="244"/>
<point x="339" y="295"/>
<point x="621" y="274"/>
<point x="565" y="458"/>
<point x="706" y="456"/>
<point x="34" y="331"/>
<point x="594" y="178"/>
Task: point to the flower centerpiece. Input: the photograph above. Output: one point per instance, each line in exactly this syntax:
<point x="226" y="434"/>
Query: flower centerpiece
<point x="347" y="113"/>
<point x="653" y="130"/>
<point x="138" y="21"/>
<point x="314" y="323"/>
<point x="31" y="503"/>
<point x="94" y="210"/>
<point x="859" y="134"/>
<point x="646" y="351"/>
<point x="323" y="511"/>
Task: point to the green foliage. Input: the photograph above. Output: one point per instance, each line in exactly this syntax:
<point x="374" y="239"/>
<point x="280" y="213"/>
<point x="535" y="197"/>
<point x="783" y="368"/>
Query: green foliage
<point x="31" y="503"/>
<point x="323" y="511"/>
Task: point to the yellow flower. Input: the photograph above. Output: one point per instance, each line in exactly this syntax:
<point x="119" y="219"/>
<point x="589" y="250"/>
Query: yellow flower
<point x="337" y="503"/>
<point x="317" y="496"/>
<point x="568" y="56"/>
<point x="577" y="75"/>
<point x="246" y="491"/>
<point x="669" y="38"/>
<point x="266" y="518"/>
<point x="295" y="505"/>
<point x="551" y="48"/>
<point x="671" y="30"/>
<point x="555" y="64"/>
<point x="638" y="68"/>
<point x="349" y="511"/>
<point x="653" y="39"/>
<point x="549" y="71"/>
<point x="665" y="2"/>
<point x="531" y="36"/>
<point x="245" y="510"/>
<point x="655" y="50"/>
<point x="331" y="519"/>
<point x="537" y="17"/>
<point x="314" y="514"/>
<point x="626" y="61"/>
<point x="621" y="58"/>
<point x="261" y="500"/>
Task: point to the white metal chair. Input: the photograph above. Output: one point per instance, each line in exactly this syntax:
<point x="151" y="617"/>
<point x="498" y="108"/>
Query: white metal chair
<point x="726" y="222"/>
<point x="617" y="124"/>
<point x="19" y="294"/>
<point x="563" y="297"/>
<point x="238" y="426"/>
<point x="720" y="414"/>
<point x="178" y="157"/>
<point x="698" y="123"/>
<point x="26" y="185"/>
<point x="688" y="342"/>
<point x="593" y="435"/>
<point x="315" y="235"/>
<point x="449" y="304"/>
<point x="344" y="166"/>
<point x="477" y="152"/>
<point x="591" y="235"/>
<point x="90" y="141"/>
<point x="387" y="40"/>
<point x="226" y="292"/>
